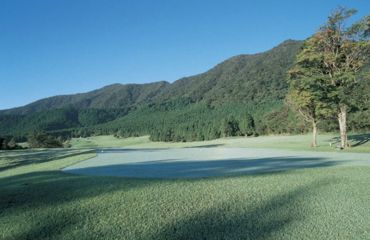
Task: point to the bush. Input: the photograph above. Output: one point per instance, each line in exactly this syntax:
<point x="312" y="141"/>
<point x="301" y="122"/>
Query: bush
<point x="6" y="144"/>
<point x="43" y="140"/>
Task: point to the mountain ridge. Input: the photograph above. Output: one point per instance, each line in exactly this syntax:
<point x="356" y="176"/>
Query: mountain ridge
<point x="119" y="95"/>
<point x="86" y="100"/>
<point x="242" y="95"/>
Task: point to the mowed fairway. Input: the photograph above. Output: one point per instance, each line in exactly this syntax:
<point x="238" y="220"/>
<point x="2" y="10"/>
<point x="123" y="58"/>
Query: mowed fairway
<point x="39" y="201"/>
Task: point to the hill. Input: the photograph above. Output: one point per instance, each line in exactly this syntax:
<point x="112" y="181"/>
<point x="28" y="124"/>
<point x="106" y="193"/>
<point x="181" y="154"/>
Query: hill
<point x="245" y="78"/>
<point x="240" y="96"/>
<point x="112" y="96"/>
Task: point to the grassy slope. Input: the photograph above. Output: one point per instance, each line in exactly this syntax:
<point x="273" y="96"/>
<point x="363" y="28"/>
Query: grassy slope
<point x="37" y="201"/>
<point x="297" y="142"/>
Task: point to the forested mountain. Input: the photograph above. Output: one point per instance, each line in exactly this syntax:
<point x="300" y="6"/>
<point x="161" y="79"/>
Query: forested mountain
<point x="112" y="96"/>
<point x="240" y="96"/>
<point x="245" y="78"/>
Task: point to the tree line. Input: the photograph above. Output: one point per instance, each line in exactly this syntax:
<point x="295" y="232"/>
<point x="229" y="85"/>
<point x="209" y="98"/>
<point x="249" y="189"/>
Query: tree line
<point x="37" y="139"/>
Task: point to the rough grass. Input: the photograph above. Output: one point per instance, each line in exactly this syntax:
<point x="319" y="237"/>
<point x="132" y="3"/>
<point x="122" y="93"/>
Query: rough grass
<point x="37" y="201"/>
<point x="359" y="142"/>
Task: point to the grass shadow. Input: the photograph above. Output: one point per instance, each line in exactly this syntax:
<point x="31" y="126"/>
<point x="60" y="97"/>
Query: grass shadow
<point x="207" y="146"/>
<point x="359" y="139"/>
<point x="258" y="222"/>
<point x="31" y="192"/>
<point x="178" y="168"/>
<point x="13" y="159"/>
<point x="55" y="187"/>
<point x="126" y="150"/>
<point x="355" y="140"/>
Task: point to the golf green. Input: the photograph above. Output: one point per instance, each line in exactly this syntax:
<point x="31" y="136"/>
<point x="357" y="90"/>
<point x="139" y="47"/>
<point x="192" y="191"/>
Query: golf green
<point x="208" y="161"/>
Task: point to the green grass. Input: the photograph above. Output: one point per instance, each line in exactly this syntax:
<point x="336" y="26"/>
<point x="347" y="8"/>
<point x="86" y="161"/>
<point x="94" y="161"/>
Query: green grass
<point x="17" y="158"/>
<point x="108" y="141"/>
<point x="37" y="201"/>
<point x="296" y="142"/>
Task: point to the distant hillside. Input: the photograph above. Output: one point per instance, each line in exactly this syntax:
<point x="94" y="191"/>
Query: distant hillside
<point x="244" y="78"/>
<point x="240" y="96"/>
<point x="112" y="96"/>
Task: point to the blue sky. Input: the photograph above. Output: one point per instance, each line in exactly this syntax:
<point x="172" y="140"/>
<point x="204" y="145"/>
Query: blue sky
<point x="68" y="46"/>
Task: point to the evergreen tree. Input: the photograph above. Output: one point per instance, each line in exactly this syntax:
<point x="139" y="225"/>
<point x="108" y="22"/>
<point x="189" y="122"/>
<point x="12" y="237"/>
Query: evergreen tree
<point x="246" y="125"/>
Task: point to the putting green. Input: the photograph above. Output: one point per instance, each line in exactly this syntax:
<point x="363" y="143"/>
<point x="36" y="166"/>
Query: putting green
<point x="208" y="162"/>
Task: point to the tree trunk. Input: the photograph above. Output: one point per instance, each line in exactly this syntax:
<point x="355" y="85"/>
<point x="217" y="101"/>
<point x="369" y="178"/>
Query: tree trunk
<point x="342" y="119"/>
<point x="314" y="134"/>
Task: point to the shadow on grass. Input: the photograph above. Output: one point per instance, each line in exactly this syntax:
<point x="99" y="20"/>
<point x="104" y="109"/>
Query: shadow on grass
<point x="260" y="221"/>
<point x="207" y="146"/>
<point x="33" y="193"/>
<point x="126" y="150"/>
<point x="359" y="139"/>
<point x="356" y="140"/>
<point x="13" y="159"/>
<point x="49" y="229"/>
<point x="177" y="168"/>
<point x="54" y="187"/>
<point x="38" y="195"/>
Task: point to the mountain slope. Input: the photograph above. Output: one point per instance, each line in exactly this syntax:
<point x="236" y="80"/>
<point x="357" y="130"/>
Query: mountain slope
<point x="208" y="105"/>
<point x="112" y="96"/>
<point x="244" y="78"/>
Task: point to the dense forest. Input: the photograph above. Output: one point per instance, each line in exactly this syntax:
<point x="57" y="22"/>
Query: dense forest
<point x="242" y="96"/>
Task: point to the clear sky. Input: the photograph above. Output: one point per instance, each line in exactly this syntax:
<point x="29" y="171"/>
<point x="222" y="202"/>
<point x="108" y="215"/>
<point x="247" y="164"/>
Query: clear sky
<point x="54" y="47"/>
